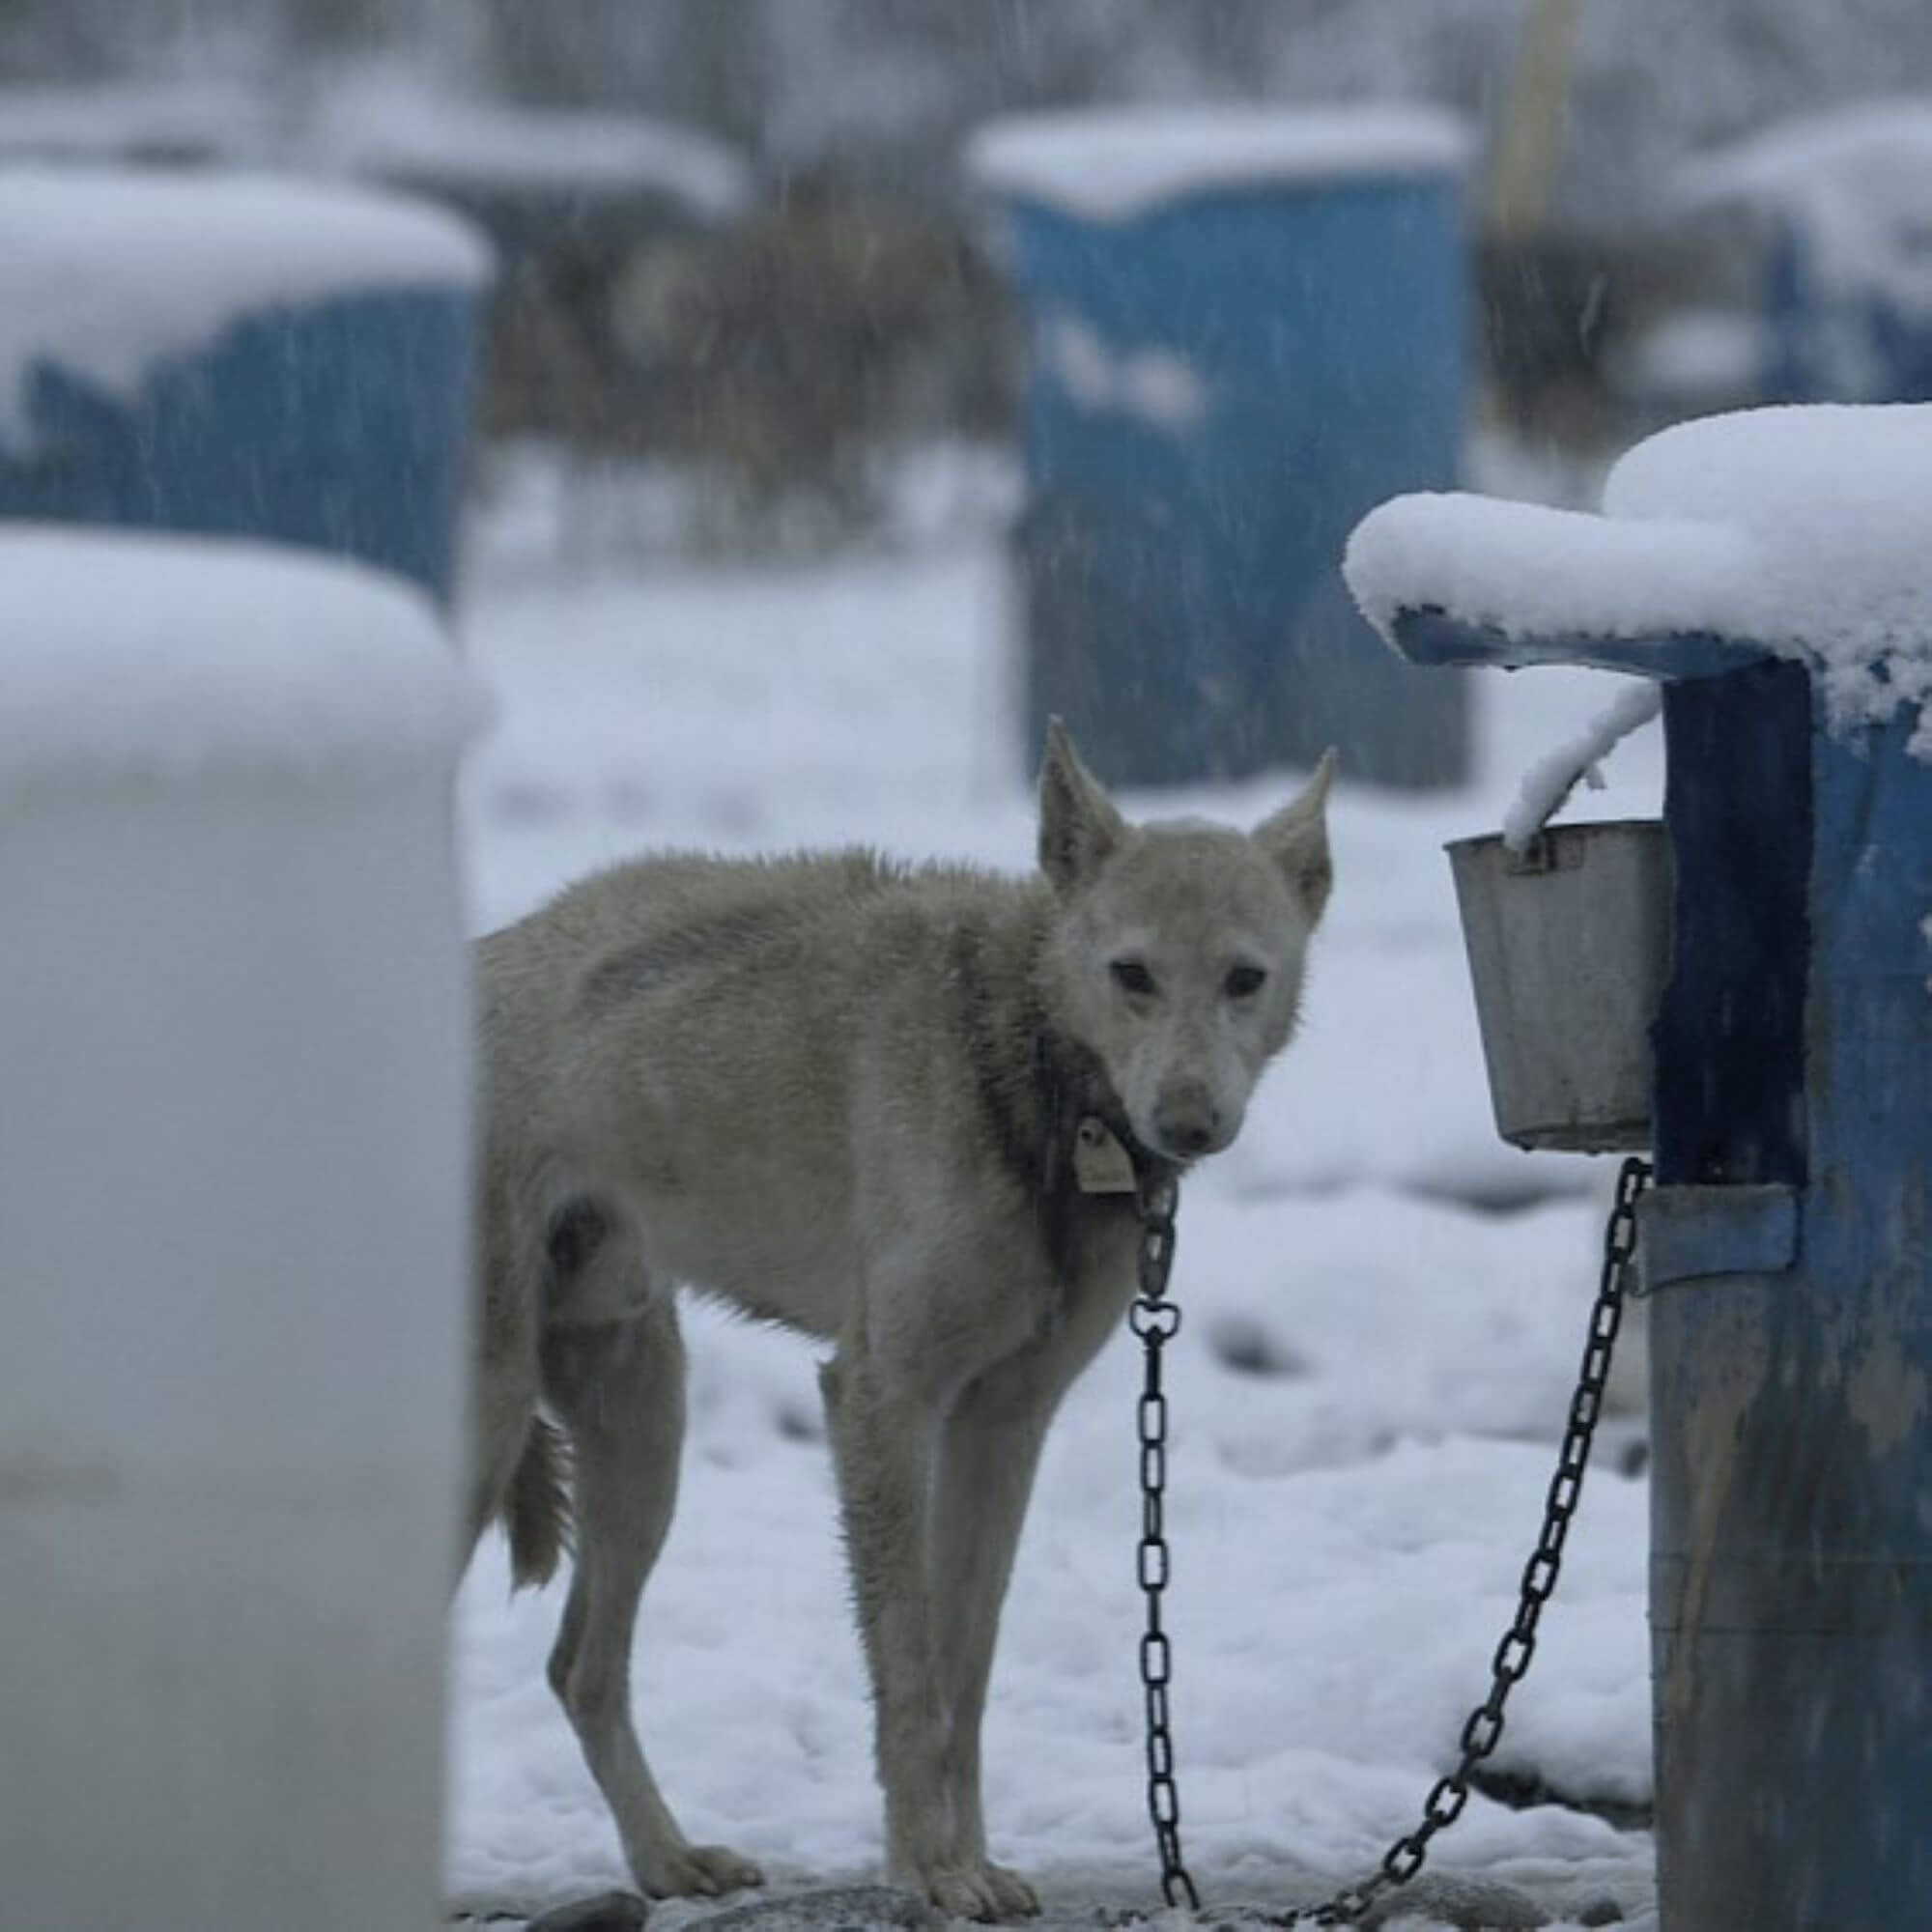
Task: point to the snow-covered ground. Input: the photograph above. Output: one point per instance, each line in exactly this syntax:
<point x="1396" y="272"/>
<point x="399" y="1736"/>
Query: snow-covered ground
<point x="1384" y="1310"/>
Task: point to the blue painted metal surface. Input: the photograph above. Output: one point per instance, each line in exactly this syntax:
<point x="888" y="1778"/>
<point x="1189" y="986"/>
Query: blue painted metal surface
<point x="1791" y="1589"/>
<point x="1789" y="1245"/>
<point x="344" y="424"/>
<point x="1184" y="607"/>
<point x="1431" y="637"/>
<point x="1690" y="1231"/>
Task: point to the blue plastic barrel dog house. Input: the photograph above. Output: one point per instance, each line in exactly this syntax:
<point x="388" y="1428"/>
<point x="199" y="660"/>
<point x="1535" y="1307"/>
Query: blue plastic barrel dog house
<point x="1843" y="207"/>
<point x="1770" y="570"/>
<point x="1247" y="329"/>
<point x="236" y="355"/>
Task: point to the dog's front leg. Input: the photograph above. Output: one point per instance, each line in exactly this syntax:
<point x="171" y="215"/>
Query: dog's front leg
<point x="882" y="1442"/>
<point x="989" y="1448"/>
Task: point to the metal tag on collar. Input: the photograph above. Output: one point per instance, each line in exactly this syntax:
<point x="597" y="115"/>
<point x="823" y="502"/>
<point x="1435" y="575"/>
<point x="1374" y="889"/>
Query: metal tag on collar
<point x="1100" y="1163"/>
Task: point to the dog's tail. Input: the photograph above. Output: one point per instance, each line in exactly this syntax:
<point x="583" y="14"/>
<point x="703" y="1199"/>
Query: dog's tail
<point x="537" y="1514"/>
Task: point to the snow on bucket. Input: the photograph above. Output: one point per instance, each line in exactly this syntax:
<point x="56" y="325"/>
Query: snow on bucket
<point x="234" y="1178"/>
<point x="1569" y="946"/>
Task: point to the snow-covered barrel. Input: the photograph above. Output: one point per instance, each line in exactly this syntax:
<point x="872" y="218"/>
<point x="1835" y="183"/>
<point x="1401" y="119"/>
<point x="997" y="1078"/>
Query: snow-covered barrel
<point x="1771" y="570"/>
<point x="239" y="354"/>
<point x="1843" y="202"/>
<point x="1247" y="329"/>
<point x="234" y="1154"/>
<point x="540" y="181"/>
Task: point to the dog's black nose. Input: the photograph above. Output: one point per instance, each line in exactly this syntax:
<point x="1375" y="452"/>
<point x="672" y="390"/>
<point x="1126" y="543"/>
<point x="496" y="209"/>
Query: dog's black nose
<point x="1186" y="1123"/>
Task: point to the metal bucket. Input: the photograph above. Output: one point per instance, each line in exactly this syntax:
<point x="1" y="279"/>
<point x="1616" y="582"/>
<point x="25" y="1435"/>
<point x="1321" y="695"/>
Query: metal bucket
<point x="1569" y="946"/>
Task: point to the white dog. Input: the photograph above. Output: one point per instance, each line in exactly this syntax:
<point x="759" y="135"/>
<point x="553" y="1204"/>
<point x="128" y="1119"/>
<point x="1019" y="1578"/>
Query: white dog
<point x="845" y="1096"/>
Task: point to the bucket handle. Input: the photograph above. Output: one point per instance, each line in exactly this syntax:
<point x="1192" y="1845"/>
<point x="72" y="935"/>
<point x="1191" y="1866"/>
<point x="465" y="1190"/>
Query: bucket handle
<point x="1549" y="781"/>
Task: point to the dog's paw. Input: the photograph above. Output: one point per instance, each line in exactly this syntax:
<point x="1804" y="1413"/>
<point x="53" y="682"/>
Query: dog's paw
<point x="980" y="1890"/>
<point x="698" y="1871"/>
<point x="1016" y="1899"/>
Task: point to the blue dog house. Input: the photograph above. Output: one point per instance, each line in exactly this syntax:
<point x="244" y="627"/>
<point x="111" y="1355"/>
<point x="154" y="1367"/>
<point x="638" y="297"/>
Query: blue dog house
<point x="233" y="355"/>
<point x="1247" y="329"/>
<point x="1843" y="205"/>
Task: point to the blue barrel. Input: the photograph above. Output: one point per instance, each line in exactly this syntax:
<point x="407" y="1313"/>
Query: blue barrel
<point x="238" y="356"/>
<point x="1247" y="329"/>
<point x="1842" y="204"/>
<point x="1834" y="341"/>
<point x="1786" y="1246"/>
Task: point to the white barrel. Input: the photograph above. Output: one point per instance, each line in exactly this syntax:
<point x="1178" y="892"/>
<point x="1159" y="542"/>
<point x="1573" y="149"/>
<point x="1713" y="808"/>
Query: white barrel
<point x="235" y="1053"/>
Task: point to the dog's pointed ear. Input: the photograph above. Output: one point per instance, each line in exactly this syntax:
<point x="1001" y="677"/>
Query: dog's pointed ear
<point x="1296" y="839"/>
<point x="1079" y="826"/>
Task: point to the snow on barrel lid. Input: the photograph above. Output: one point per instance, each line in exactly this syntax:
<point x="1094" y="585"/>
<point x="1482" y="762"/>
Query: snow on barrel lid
<point x="386" y="123"/>
<point x="112" y="270"/>
<point x="1116" y="164"/>
<point x="1835" y="502"/>
<point x="1805" y="529"/>
<point x="1852" y="182"/>
<point x="170" y="656"/>
<point x="1877" y="145"/>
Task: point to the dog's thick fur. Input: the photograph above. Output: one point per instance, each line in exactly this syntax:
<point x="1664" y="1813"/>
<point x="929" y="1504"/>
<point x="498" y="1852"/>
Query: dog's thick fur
<point x="842" y="1095"/>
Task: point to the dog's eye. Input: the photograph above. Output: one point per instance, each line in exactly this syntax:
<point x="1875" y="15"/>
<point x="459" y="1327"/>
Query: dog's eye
<point x="1131" y="976"/>
<point x="1243" y="982"/>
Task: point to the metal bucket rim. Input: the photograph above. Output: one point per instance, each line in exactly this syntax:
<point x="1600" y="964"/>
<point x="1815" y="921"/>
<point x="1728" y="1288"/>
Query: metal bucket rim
<point x="1477" y="841"/>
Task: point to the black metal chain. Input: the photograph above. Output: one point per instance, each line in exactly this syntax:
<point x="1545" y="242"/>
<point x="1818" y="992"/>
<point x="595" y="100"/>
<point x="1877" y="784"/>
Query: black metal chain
<point x="1156" y="1320"/>
<point x="1484" y="1729"/>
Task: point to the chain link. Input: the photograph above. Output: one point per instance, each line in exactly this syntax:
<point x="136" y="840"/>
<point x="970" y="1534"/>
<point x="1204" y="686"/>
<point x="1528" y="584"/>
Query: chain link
<point x="1484" y="1729"/>
<point x="1156" y="1320"/>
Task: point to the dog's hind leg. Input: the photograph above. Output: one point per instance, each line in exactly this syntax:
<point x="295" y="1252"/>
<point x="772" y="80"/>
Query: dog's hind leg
<point x="617" y="1387"/>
